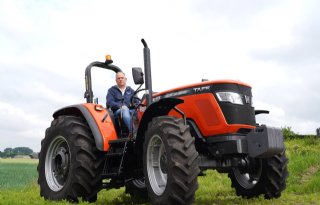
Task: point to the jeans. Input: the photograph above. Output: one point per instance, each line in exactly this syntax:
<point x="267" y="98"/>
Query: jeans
<point x="126" y="116"/>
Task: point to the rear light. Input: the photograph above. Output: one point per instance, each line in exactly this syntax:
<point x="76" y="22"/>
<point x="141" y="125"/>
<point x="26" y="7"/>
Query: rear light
<point x="232" y="97"/>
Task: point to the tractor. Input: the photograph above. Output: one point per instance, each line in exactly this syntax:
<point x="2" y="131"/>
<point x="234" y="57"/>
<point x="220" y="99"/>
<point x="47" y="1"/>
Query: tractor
<point x="180" y="133"/>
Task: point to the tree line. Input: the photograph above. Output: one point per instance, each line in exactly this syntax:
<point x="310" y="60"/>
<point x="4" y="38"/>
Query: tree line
<point x="11" y="152"/>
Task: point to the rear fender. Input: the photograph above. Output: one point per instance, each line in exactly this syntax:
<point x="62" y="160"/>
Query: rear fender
<point x="99" y="121"/>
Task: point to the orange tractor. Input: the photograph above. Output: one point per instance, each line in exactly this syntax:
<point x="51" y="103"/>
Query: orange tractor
<point x="180" y="133"/>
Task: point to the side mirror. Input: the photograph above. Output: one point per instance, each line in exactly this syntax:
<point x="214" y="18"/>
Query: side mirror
<point x="137" y="75"/>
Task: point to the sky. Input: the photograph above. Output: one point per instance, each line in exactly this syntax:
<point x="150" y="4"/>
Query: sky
<point x="45" y="47"/>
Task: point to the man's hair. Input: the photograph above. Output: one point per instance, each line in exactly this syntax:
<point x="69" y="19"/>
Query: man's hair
<point x="121" y="72"/>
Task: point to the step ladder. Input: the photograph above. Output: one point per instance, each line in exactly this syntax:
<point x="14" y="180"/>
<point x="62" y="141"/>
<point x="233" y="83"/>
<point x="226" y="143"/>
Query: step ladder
<point x="114" y="158"/>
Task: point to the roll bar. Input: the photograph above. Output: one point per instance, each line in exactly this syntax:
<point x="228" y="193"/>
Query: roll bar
<point x="106" y="65"/>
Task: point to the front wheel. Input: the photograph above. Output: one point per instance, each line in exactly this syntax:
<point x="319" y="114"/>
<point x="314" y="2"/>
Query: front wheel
<point x="69" y="163"/>
<point x="170" y="162"/>
<point x="264" y="176"/>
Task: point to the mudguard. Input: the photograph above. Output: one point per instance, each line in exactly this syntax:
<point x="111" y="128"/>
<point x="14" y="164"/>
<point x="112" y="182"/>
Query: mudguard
<point x="99" y="121"/>
<point x="158" y="108"/>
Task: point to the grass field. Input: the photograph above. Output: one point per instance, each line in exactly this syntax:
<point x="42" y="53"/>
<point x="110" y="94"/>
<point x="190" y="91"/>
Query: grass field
<point x="18" y="182"/>
<point x="17" y="173"/>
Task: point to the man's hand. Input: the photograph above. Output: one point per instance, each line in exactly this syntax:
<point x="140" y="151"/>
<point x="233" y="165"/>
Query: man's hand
<point x="124" y="107"/>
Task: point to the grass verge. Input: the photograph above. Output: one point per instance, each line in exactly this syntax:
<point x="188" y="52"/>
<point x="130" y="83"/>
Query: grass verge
<point x="303" y="184"/>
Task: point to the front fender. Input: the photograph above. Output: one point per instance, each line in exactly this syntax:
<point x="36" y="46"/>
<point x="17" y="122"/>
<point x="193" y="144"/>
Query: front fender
<point x="156" y="109"/>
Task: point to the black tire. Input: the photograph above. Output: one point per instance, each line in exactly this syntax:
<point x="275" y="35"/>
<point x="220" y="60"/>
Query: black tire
<point x="137" y="190"/>
<point x="170" y="162"/>
<point x="69" y="163"/>
<point x="268" y="177"/>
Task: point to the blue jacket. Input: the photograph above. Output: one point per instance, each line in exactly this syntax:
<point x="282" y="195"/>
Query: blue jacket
<point x="115" y="97"/>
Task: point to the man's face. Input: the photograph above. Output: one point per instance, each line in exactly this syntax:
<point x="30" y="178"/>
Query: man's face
<point x="121" y="79"/>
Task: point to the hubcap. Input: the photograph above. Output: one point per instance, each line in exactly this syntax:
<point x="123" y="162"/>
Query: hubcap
<point x="250" y="177"/>
<point x="57" y="163"/>
<point x="157" y="165"/>
<point x="140" y="183"/>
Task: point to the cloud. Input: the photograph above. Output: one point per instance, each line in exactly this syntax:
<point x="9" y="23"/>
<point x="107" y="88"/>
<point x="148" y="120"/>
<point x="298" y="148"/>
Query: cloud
<point x="303" y="45"/>
<point x="46" y="46"/>
<point x="28" y="98"/>
<point x="18" y="127"/>
<point x="297" y="63"/>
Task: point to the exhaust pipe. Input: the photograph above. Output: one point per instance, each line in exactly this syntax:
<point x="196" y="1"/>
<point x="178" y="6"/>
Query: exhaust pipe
<point x="147" y="72"/>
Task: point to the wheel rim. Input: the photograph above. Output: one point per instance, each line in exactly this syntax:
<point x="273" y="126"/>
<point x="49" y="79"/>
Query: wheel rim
<point x="157" y="165"/>
<point x="57" y="163"/>
<point x="248" y="179"/>
<point x="140" y="183"/>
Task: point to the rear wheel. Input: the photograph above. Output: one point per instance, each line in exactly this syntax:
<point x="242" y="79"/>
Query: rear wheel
<point x="265" y="176"/>
<point x="69" y="163"/>
<point x="170" y="162"/>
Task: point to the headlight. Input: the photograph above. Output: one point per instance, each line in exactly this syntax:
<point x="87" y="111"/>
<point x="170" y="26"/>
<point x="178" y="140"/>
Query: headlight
<point x="234" y="98"/>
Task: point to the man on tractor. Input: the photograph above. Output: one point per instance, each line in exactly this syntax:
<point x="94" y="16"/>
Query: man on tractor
<point x="119" y="99"/>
